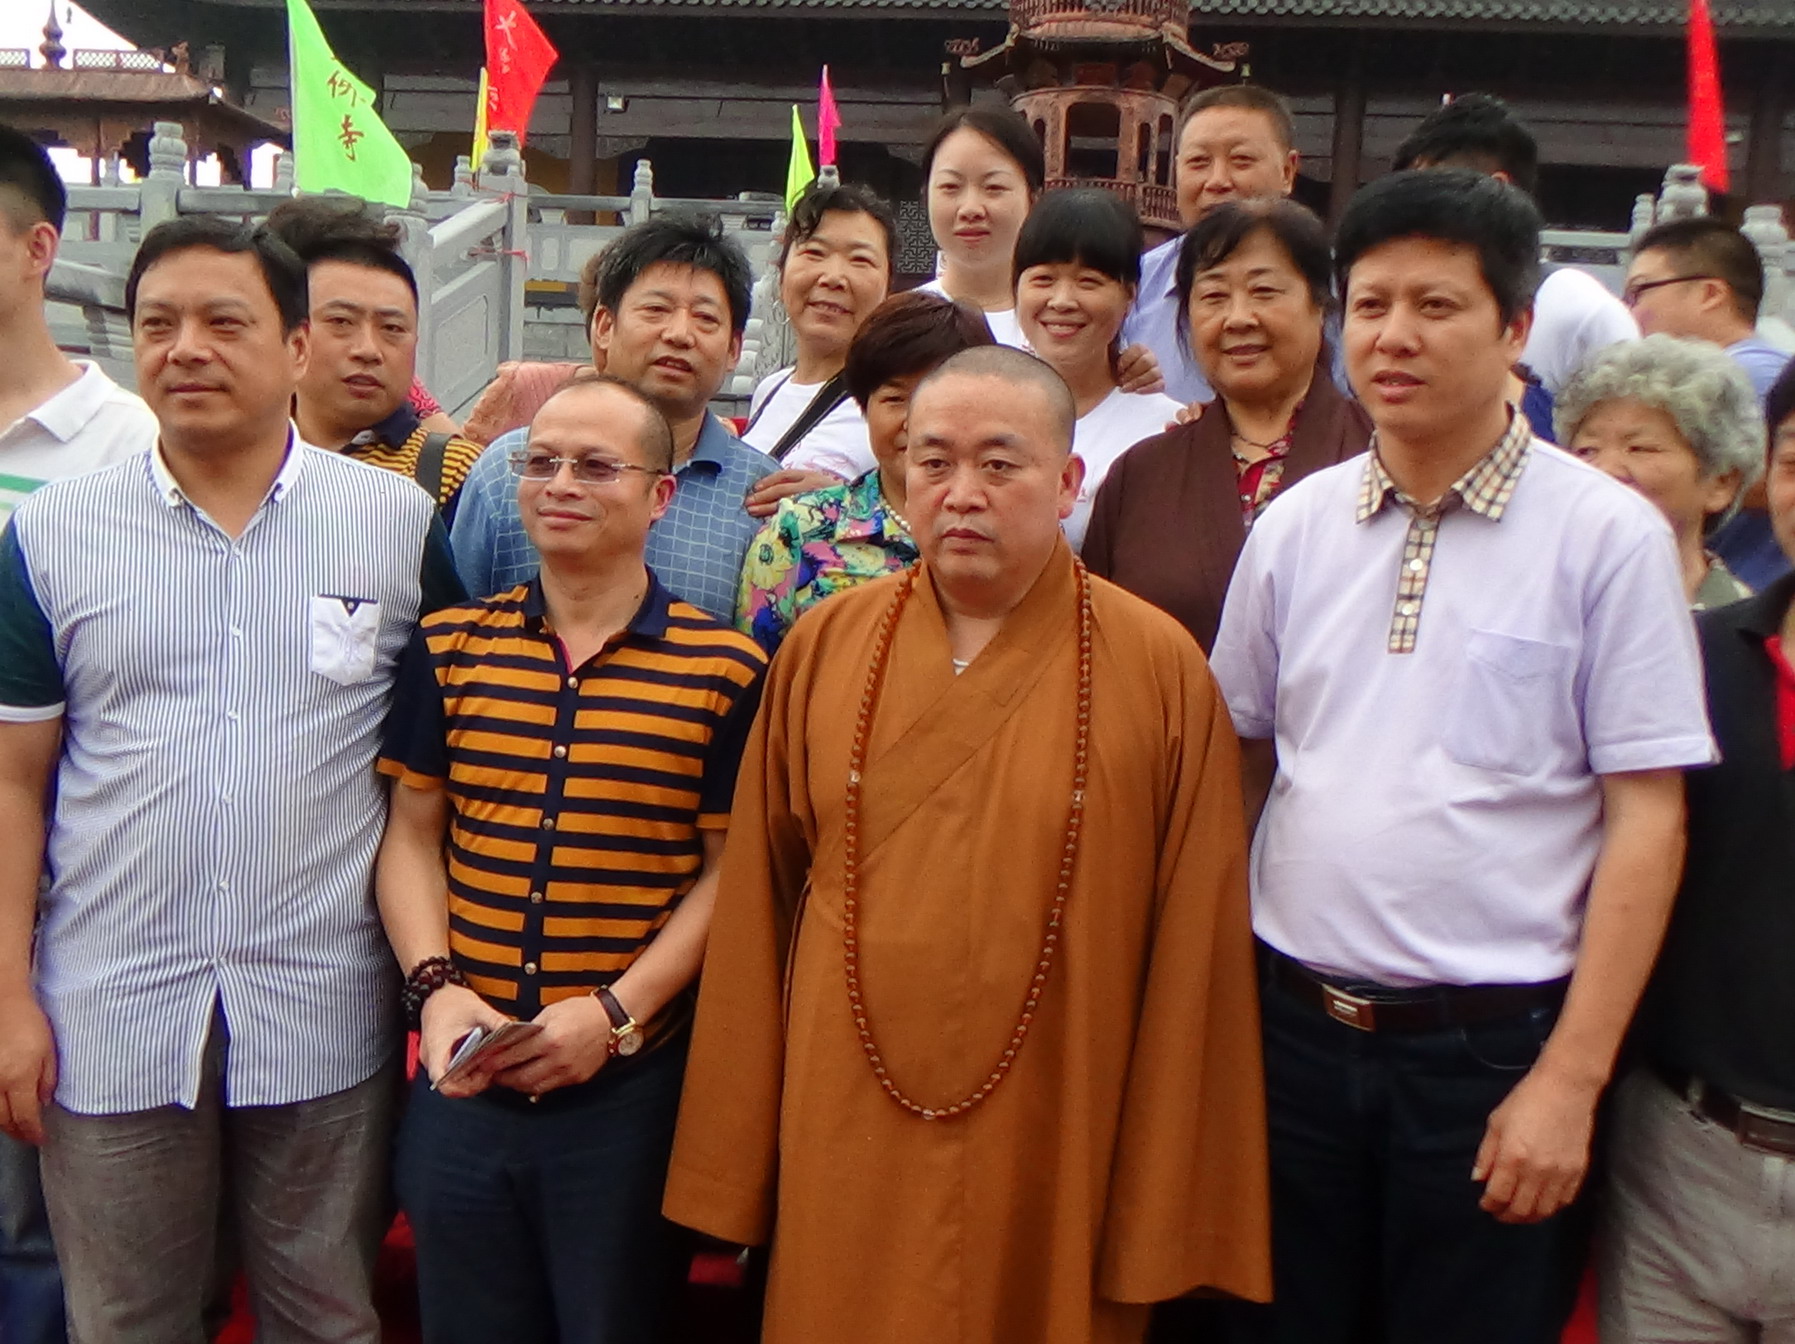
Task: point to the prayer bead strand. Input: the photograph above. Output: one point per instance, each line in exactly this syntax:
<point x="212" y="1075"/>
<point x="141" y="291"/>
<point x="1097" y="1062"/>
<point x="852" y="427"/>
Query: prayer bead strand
<point x="851" y="849"/>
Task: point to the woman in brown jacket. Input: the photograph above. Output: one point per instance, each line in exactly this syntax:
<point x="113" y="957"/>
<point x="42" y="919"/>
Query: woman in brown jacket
<point x="1254" y="287"/>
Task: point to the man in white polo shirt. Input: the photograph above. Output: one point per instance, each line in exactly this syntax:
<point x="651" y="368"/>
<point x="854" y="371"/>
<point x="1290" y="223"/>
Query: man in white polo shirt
<point x="1467" y="682"/>
<point x="57" y="418"/>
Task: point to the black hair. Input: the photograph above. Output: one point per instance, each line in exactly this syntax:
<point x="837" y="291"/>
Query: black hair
<point x="906" y="336"/>
<point x="1712" y="247"/>
<point x="821" y="198"/>
<point x="341" y="228"/>
<point x="1002" y="126"/>
<point x="1779" y="401"/>
<point x="31" y="190"/>
<point x="1452" y="205"/>
<point x="1082" y="226"/>
<point x="678" y="238"/>
<point x="281" y="267"/>
<point x="1214" y="238"/>
<point x="1474" y="130"/>
<point x="1249" y="98"/>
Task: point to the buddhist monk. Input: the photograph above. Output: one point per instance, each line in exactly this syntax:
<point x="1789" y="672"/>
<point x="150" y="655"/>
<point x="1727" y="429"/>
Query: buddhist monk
<point x="975" y="1048"/>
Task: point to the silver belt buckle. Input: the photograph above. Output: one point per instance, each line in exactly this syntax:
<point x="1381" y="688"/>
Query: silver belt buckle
<point x="1766" y="1129"/>
<point x="1349" y="1009"/>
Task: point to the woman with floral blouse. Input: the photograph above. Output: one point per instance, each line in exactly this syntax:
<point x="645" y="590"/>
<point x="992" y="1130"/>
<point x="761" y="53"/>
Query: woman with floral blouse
<point x="827" y="540"/>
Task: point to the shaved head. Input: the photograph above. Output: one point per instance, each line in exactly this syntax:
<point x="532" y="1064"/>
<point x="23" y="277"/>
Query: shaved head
<point x="654" y="440"/>
<point x="1030" y="377"/>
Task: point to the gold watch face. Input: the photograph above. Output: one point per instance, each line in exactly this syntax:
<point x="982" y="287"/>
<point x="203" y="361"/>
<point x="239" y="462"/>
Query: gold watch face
<point x="629" y="1042"/>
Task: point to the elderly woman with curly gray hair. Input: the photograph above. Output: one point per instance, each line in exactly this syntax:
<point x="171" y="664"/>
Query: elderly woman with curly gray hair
<point x="1679" y="422"/>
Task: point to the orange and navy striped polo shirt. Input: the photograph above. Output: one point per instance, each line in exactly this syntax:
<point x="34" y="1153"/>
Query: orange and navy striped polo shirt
<point x="576" y="795"/>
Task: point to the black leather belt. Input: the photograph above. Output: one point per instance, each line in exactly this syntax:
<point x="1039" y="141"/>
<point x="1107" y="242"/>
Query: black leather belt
<point x="1429" y="1009"/>
<point x="1760" y="1127"/>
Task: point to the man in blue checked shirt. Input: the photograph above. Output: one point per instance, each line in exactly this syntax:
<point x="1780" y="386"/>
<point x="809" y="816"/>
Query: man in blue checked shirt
<point x="197" y="648"/>
<point x="673" y="298"/>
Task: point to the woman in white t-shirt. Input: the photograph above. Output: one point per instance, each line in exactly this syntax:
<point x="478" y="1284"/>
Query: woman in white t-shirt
<point x="983" y="168"/>
<point x="834" y="269"/>
<point x="1077" y="265"/>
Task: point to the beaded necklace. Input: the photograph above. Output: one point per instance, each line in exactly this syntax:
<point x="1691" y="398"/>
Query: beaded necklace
<point x="850" y="920"/>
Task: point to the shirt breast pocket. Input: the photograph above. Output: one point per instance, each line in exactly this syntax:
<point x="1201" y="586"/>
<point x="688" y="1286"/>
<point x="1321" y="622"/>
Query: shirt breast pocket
<point x="1511" y="703"/>
<point x="345" y="637"/>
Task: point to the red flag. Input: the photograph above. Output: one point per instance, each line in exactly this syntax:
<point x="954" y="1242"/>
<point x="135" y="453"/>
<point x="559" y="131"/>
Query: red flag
<point x="1707" y="111"/>
<point x="828" y="121"/>
<point x="518" y="59"/>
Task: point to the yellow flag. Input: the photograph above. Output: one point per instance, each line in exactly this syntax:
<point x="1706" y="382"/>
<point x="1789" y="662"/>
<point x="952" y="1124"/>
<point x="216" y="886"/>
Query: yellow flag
<point x="798" y="172"/>
<point x="480" y="145"/>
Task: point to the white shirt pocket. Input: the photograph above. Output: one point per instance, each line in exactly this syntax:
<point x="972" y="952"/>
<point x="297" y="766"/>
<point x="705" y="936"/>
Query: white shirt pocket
<point x="1509" y="708"/>
<point x="345" y="637"/>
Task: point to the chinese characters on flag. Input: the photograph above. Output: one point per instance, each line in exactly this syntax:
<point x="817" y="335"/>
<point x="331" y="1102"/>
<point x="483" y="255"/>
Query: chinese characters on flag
<point x="339" y="142"/>
<point x="518" y="59"/>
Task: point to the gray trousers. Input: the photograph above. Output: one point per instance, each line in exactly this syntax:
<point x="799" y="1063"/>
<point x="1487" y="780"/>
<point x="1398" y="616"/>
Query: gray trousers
<point x="135" y="1203"/>
<point x="1699" y="1246"/>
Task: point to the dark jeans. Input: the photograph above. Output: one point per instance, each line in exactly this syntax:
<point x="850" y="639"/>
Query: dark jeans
<point x="30" y="1285"/>
<point x="543" y="1222"/>
<point x="1377" y="1237"/>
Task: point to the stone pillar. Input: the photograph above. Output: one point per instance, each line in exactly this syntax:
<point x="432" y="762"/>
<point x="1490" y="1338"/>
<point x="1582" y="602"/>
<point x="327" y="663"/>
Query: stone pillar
<point x="582" y="153"/>
<point x="1349" y="132"/>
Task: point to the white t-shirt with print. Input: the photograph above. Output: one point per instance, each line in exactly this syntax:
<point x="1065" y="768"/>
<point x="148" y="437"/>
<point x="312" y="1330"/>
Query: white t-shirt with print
<point x="1103" y="434"/>
<point x="837" y="443"/>
<point x="91" y="423"/>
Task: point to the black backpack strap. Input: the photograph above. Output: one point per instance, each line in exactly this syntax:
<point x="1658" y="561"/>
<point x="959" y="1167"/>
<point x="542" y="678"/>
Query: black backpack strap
<point x="429" y="471"/>
<point x="830" y="395"/>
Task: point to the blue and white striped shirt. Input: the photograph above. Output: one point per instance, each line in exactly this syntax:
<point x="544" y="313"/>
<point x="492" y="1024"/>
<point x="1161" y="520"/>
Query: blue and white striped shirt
<point x="217" y="810"/>
<point x="696" y="548"/>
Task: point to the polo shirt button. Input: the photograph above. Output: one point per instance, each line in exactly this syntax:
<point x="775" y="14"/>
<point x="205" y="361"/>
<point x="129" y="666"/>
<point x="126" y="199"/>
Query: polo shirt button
<point x="560" y="751"/>
<point x="1416" y="566"/>
<point x="535" y="898"/>
<point x="1408" y="608"/>
<point x="573" y="681"/>
<point x="529" y="968"/>
<point x="548" y="823"/>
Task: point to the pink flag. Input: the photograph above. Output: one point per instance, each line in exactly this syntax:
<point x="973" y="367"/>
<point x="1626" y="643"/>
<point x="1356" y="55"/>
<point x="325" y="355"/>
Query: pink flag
<point x="828" y="121"/>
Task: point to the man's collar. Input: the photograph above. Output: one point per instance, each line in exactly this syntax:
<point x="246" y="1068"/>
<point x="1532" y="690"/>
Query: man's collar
<point x="1485" y="489"/>
<point x="170" y="489"/>
<point x="393" y="431"/>
<point x="68" y="412"/>
<point x="1762" y="615"/>
<point x="650" y="621"/>
<point x="712" y="445"/>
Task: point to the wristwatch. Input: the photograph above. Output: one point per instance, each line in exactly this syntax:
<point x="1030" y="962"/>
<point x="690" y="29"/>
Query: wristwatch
<point x="626" y="1036"/>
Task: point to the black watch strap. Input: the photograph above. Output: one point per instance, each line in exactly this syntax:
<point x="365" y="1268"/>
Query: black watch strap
<point x="613" y="1009"/>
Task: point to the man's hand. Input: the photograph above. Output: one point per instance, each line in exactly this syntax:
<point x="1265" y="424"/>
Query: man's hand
<point x="1138" y="371"/>
<point x="27" y="1068"/>
<point x="449" y="1014"/>
<point x="573" y="1045"/>
<point x="764" y="498"/>
<point x="1535" y="1150"/>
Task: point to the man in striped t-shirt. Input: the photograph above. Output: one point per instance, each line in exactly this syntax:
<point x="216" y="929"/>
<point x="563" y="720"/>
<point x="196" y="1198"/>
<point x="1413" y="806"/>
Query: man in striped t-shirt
<point x="197" y="649"/>
<point x="575" y="740"/>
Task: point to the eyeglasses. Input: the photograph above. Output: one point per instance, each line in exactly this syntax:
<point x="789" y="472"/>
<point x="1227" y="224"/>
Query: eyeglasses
<point x="1630" y="295"/>
<point x="534" y="466"/>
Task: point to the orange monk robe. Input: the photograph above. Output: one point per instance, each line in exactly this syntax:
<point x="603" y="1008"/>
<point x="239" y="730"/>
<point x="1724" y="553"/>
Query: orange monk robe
<point x="1123" y="1162"/>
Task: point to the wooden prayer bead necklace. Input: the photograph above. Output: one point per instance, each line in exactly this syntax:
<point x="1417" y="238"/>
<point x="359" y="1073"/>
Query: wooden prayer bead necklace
<point x="850" y="916"/>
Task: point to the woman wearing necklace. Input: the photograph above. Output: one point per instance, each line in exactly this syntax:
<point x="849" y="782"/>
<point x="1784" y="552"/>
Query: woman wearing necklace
<point x="1254" y="285"/>
<point x="1077" y="265"/>
<point x="834" y="538"/>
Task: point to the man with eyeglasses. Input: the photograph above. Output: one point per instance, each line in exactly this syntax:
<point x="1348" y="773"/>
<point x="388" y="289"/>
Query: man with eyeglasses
<point x="1702" y="279"/>
<point x="564" y="756"/>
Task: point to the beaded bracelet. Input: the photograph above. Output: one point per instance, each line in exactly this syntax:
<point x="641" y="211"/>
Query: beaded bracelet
<point x="428" y="976"/>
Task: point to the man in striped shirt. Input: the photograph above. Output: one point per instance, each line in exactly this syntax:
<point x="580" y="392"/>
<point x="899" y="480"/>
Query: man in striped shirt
<point x="197" y="648"/>
<point x="573" y="742"/>
<point x="355" y="395"/>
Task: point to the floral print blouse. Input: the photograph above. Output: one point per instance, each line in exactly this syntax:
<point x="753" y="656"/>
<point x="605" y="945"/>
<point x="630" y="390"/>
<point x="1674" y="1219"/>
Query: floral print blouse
<point x="817" y="544"/>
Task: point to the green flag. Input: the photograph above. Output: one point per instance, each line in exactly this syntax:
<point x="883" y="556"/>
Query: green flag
<point x="338" y="142"/>
<point x="798" y="173"/>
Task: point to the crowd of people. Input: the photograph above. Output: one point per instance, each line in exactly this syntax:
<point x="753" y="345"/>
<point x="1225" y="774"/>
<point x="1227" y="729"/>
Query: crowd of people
<point x="1231" y="791"/>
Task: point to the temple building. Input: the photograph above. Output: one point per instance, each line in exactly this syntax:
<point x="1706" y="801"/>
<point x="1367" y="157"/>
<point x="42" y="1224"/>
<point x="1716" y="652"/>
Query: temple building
<point x="703" y="88"/>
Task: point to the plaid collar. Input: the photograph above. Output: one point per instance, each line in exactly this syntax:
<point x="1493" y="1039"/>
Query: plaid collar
<point x="1484" y="490"/>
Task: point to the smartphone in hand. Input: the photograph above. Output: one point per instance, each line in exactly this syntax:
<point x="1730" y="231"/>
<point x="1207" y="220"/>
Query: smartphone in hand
<point x="480" y="1043"/>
